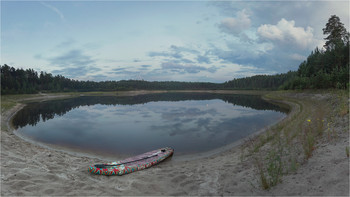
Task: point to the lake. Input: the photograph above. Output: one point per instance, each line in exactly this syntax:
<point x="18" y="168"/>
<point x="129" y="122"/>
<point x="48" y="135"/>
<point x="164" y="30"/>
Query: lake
<point x="188" y="122"/>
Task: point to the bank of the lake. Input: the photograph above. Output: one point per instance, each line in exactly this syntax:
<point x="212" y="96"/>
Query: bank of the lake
<point x="29" y="169"/>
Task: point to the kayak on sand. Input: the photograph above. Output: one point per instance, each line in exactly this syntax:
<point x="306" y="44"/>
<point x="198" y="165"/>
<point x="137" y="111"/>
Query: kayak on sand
<point x="132" y="164"/>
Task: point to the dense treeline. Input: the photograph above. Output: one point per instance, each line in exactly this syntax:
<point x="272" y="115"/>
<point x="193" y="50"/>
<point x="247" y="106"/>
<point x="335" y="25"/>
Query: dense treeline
<point x="19" y="81"/>
<point x="327" y="68"/>
<point x="323" y="69"/>
<point x="258" y="82"/>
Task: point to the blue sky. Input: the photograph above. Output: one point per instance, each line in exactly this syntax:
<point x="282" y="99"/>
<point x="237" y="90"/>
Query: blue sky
<point x="213" y="41"/>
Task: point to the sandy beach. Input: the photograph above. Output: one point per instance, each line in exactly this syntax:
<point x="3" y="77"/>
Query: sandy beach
<point x="28" y="169"/>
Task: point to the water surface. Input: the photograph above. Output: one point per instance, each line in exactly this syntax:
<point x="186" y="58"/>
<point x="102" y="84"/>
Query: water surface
<point x="188" y="122"/>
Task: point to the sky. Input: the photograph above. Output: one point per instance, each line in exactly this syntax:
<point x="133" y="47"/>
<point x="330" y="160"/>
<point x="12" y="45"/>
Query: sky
<point x="201" y="41"/>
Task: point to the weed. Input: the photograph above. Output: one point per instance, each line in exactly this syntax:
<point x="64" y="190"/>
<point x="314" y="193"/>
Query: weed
<point x="309" y="145"/>
<point x="293" y="165"/>
<point x="294" y="139"/>
<point x="343" y="107"/>
<point x="258" y="163"/>
<point x="274" y="168"/>
<point x="6" y="104"/>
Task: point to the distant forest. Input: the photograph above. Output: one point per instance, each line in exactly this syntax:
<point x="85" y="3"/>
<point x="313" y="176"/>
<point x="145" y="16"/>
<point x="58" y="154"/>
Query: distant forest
<point x="323" y="68"/>
<point x="19" y="81"/>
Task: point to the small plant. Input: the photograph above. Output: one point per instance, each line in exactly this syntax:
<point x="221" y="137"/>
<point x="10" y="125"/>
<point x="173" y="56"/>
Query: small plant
<point x="274" y="168"/>
<point x="294" y="140"/>
<point x="270" y="169"/>
<point x="264" y="183"/>
<point x="308" y="140"/>
<point x="293" y="165"/>
<point x="309" y="145"/>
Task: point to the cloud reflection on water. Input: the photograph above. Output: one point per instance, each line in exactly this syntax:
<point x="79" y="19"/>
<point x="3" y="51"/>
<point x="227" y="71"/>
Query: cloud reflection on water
<point x="189" y="124"/>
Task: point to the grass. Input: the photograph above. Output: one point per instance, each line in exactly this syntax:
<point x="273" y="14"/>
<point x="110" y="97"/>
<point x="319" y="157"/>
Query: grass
<point x="308" y="141"/>
<point x="6" y="105"/>
<point x="262" y="177"/>
<point x="292" y="141"/>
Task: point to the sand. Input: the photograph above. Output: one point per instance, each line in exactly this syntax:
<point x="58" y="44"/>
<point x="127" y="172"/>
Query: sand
<point x="29" y="169"/>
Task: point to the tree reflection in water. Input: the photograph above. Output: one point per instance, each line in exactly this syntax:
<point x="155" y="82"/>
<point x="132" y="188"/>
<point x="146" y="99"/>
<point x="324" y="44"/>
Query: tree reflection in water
<point x="34" y="112"/>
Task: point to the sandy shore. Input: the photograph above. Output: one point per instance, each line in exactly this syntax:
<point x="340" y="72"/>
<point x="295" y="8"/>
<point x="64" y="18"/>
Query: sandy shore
<point x="30" y="170"/>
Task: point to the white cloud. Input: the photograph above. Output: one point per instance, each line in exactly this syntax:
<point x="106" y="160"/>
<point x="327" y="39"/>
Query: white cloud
<point x="298" y="57"/>
<point x="235" y="25"/>
<point x="187" y="68"/>
<point x="286" y="32"/>
<point x="271" y="32"/>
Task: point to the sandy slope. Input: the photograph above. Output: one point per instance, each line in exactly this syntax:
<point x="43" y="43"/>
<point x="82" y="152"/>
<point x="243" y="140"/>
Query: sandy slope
<point x="28" y="169"/>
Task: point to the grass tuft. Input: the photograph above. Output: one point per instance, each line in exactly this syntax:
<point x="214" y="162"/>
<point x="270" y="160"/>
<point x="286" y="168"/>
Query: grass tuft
<point x="292" y="141"/>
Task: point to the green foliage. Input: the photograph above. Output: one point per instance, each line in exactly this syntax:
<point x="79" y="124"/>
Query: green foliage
<point x="287" y="145"/>
<point x="337" y="34"/>
<point x="266" y="82"/>
<point x="263" y="179"/>
<point x="19" y="81"/>
<point x="274" y="168"/>
<point x="308" y="144"/>
<point x="270" y="169"/>
<point x="326" y="68"/>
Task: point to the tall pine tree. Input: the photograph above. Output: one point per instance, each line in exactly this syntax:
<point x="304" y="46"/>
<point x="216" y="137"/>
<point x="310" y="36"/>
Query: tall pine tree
<point x="337" y="34"/>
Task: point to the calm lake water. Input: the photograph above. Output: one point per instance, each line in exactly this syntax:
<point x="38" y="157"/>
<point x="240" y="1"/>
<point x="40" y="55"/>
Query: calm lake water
<point x="188" y="122"/>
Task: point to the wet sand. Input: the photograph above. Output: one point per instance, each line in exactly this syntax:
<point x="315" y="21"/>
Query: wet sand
<point x="29" y="169"/>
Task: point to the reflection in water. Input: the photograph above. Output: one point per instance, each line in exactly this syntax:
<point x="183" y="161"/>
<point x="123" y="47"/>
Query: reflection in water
<point x="188" y="122"/>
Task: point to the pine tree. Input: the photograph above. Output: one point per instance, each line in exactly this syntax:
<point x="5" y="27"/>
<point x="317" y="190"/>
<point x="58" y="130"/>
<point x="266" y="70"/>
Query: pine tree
<point x="337" y="34"/>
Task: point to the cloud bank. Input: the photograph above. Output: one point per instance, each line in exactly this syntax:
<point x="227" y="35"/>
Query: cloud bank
<point x="211" y="41"/>
<point x="285" y="32"/>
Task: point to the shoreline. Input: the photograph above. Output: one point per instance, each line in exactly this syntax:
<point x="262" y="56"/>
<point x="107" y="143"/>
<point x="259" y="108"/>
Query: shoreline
<point x="110" y="157"/>
<point x="30" y="169"/>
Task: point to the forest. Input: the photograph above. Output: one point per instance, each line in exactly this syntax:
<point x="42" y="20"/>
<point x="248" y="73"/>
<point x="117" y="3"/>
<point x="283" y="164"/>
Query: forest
<point x="327" y="67"/>
<point x="20" y="81"/>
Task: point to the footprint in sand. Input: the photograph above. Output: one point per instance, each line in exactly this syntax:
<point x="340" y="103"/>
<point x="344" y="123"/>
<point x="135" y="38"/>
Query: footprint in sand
<point x="49" y="191"/>
<point x="178" y="178"/>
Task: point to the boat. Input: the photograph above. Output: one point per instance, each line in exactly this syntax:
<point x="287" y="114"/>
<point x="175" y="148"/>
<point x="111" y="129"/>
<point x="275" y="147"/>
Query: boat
<point x="132" y="164"/>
